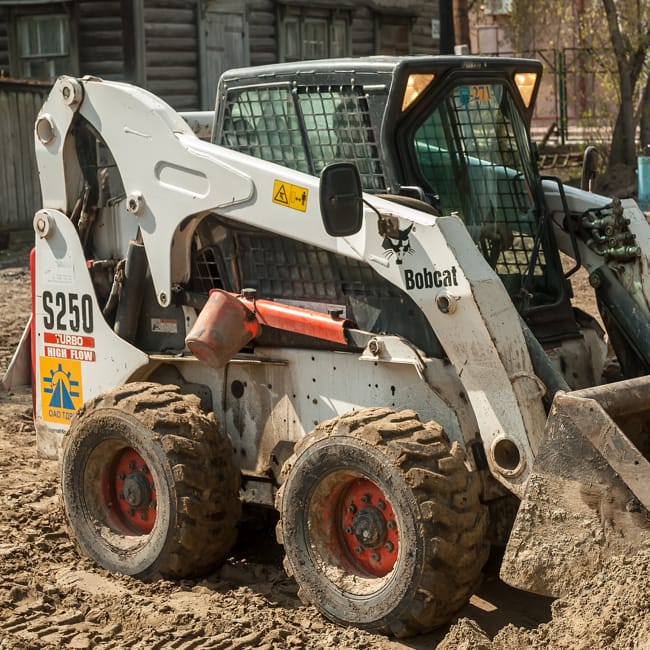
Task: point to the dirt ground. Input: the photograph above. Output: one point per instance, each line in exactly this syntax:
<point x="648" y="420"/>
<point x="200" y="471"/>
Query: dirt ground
<point x="50" y="597"/>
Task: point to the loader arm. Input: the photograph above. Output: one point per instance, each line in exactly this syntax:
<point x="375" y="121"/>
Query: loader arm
<point x="171" y="180"/>
<point x="611" y="240"/>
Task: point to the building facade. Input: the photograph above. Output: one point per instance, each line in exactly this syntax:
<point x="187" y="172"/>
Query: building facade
<point x="178" y="48"/>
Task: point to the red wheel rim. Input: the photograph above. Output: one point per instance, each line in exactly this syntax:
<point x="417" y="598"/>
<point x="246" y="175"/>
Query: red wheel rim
<point x="129" y="494"/>
<point x="365" y="527"/>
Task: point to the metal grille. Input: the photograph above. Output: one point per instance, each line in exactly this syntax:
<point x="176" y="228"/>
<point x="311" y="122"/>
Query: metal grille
<point x="262" y="122"/>
<point x="269" y="122"/>
<point x="285" y="269"/>
<point x="282" y="268"/>
<point x="207" y="272"/>
<point x="469" y="152"/>
<point x="338" y="127"/>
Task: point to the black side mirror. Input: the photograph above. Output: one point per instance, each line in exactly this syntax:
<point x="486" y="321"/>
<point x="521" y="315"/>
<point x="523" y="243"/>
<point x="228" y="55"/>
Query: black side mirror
<point x="341" y="203"/>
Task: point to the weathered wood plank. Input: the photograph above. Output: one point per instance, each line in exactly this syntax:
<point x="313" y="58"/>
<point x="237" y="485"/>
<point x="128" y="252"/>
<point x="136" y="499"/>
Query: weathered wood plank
<point x="163" y="43"/>
<point x="19" y="105"/>
<point x="166" y="4"/>
<point x="109" y="23"/>
<point x="164" y="87"/>
<point x="107" y="9"/>
<point x="100" y="38"/>
<point x="177" y="73"/>
<point x="159" y="16"/>
<point x="172" y="58"/>
<point x="162" y="30"/>
<point x="101" y="50"/>
<point x="4" y="41"/>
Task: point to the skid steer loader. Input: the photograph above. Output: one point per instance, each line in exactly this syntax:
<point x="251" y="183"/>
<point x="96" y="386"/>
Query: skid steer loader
<point x="350" y="306"/>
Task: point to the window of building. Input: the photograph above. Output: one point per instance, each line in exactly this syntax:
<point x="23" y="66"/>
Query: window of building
<point x="42" y="44"/>
<point x="313" y="34"/>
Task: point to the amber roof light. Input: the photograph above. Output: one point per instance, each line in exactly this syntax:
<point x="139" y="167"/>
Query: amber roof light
<point x="526" y="82"/>
<point x="416" y="84"/>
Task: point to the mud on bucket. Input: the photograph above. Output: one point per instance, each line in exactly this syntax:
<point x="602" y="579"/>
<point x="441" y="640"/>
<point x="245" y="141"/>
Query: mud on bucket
<point x="222" y="329"/>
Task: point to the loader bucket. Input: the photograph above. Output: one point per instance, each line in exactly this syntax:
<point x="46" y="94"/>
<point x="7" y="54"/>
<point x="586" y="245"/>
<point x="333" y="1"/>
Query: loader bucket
<point x="588" y="495"/>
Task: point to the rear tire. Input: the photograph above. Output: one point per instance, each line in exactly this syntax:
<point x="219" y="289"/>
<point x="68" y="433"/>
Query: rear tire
<point x="148" y="483"/>
<point x="381" y="522"/>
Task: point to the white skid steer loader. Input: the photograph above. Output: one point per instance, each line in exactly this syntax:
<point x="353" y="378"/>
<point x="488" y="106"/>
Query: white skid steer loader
<point x="349" y="306"/>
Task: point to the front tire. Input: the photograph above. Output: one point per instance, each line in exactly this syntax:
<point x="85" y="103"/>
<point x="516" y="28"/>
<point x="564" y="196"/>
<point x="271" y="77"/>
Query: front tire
<point x="381" y="522"/>
<point x="148" y="483"/>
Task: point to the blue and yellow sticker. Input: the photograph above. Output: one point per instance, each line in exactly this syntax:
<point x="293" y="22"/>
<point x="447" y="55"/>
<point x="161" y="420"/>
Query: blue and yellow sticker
<point x="61" y="389"/>
<point x="290" y="196"/>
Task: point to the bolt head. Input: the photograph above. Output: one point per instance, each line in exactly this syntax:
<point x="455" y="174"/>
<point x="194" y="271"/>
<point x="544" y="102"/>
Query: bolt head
<point x="365" y="498"/>
<point x="392" y="525"/>
<point x="352" y="508"/>
<point x="358" y="550"/>
<point x="389" y="546"/>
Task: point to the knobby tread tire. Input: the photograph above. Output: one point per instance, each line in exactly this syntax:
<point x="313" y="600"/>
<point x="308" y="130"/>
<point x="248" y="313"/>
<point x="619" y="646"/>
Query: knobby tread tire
<point x="204" y="492"/>
<point x="452" y="521"/>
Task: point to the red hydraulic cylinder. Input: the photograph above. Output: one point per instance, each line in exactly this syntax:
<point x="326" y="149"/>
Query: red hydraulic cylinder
<point x="228" y="322"/>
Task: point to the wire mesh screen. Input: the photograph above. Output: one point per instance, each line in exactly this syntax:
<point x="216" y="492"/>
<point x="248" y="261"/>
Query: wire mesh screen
<point x="338" y="127"/>
<point x="304" y="129"/>
<point x="471" y="153"/>
<point x="207" y="270"/>
<point x="263" y="122"/>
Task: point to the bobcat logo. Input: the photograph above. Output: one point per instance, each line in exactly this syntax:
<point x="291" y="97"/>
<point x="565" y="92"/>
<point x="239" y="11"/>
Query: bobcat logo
<point x="396" y="242"/>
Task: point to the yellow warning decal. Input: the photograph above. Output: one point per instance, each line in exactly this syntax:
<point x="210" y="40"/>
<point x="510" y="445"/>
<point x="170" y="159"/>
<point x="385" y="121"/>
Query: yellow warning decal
<point x="290" y="196"/>
<point x="61" y="390"/>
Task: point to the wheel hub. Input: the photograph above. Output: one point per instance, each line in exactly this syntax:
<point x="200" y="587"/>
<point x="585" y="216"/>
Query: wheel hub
<point x="369" y="531"/>
<point x="369" y="527"/>
<point x="129" y="494"/>
<point x="136" y="490"/>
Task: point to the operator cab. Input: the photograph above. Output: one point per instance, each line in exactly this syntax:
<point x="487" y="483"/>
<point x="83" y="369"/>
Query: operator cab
<point x="450" y="131"/>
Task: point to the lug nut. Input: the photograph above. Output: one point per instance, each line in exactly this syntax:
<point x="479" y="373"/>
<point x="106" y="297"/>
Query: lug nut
<point x="352" y="508"/>
<point x="144" y="469"/>
<point x="365" y="498"/>
<point x="143" y="515"/>
<point x="375" y="557"/>
<point x="132" y="464"/>
<point x="358" y="550"/>
<point x="131" y="512"/>
<point x="389" y="546"/>
<point x="348" y="530"/>
<point x="153" y="505"/>
<point x="381" y="505"/>
<point x="122" y="476"/>
<point x="120" y="495"/>
<point x="392" y="525"/>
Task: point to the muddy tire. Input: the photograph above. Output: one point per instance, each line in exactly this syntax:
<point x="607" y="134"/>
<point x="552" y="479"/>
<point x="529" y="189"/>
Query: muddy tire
<point x="381" y="522"/>
<point x="148" y="483"/>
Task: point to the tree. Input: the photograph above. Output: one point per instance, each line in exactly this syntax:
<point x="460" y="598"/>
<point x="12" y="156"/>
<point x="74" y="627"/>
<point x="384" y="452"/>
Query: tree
<point x="630" y="40"/>
<point x="617" y="33"/>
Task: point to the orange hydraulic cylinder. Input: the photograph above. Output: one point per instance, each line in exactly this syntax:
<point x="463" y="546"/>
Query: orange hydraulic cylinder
<point x="228" y="322"/>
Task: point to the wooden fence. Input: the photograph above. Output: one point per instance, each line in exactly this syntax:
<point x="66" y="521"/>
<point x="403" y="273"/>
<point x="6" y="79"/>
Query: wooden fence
<point x="20" y="194"/>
